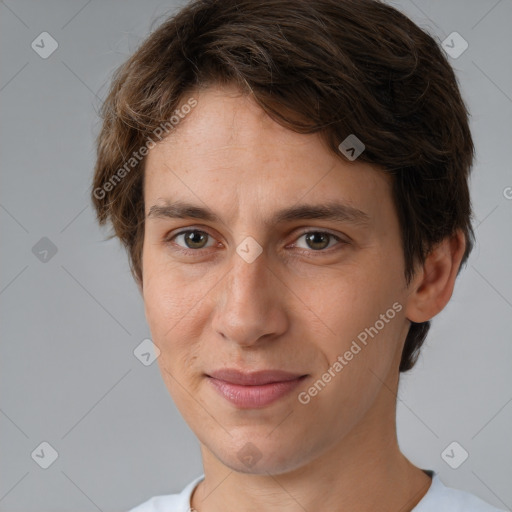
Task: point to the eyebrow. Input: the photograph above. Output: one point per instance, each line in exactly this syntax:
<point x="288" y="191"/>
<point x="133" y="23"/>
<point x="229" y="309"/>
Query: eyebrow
<point x="333" y="211"/>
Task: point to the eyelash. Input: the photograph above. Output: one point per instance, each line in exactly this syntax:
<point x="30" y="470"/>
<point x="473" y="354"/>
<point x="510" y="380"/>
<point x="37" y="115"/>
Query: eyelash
<point x="169" y="241"/>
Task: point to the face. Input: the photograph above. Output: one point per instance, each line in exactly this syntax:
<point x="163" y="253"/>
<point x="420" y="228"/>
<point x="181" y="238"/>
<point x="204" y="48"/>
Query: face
<point x="255" y="275"/>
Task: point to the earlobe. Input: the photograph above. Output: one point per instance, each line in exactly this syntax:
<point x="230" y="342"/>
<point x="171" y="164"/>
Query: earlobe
<point x="431" y="289"/>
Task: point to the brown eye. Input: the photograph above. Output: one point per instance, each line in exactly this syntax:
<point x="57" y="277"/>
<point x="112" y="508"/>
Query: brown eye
<point x="318" y="240"/>
<point x="196" y="239"/>
<point x="192" y="239"/>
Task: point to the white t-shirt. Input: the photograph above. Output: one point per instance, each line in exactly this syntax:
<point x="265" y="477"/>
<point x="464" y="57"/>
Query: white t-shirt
<point x="438" y="498"/>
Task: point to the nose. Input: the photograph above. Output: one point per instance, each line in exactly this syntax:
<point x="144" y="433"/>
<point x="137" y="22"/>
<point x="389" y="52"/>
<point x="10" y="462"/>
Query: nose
<point x="250" y="303"/>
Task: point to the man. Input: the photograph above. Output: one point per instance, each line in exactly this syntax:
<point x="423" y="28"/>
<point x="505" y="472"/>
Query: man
<point x="290" y="181"/>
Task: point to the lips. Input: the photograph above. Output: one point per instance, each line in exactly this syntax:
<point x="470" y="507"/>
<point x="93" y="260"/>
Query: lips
<point x="256" y="389"/>
<point x="258" y="378"/>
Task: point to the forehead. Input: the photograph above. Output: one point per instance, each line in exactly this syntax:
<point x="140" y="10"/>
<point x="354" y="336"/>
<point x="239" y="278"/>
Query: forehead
<point x="226" y="121"/>
<point x="228" y="149"/>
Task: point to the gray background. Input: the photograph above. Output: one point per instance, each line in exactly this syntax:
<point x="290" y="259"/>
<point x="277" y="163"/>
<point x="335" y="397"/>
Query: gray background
<point x="69" y="325"/>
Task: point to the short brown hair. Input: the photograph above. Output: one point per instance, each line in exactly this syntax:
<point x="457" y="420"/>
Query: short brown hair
<point x="336" y="67"/>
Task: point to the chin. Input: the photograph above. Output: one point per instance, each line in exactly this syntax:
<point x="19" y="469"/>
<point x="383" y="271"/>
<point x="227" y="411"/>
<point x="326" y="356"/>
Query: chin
<point x="263" y="457"/>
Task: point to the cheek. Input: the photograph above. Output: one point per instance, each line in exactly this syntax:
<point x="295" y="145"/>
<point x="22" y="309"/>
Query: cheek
<point x="165" y="294"/>
<point x="348" y="306"/>
<point x="172" y="320"/>
<point x="171" y="314"/>
<point x="173" y="309"/>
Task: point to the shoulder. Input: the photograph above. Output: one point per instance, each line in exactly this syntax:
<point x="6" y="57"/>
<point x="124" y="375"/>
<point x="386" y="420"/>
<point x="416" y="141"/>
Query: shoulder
<point x="440" y="498"/>
<point x="169" y="502"/>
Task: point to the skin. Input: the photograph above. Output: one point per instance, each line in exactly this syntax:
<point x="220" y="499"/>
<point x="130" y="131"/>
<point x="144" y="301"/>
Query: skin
<point x="294" y="308"/>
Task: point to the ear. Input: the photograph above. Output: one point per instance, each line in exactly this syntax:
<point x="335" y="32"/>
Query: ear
<point x="432" y="286"/>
